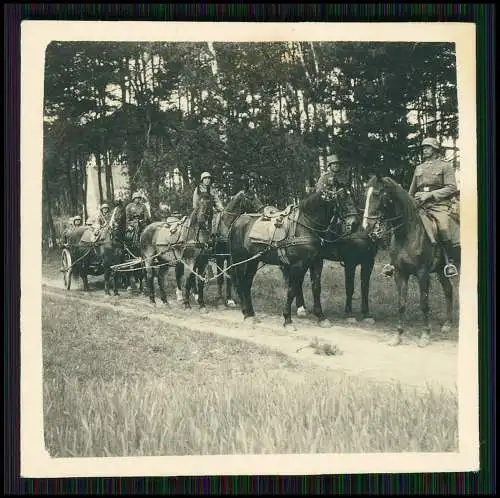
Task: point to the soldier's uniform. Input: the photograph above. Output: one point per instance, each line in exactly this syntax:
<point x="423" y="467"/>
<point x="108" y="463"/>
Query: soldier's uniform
<point x="102" y="219"/>
<point x="71" y="228"/>
<point x="203" y="191"/>
<point x="136" y="213"/>
<point x="335" y="177"/>
<point x="437" y="177"/>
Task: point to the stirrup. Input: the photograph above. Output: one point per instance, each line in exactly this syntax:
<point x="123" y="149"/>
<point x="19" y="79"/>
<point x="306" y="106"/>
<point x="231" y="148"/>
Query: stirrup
<point x="450" y="270"/>
<point x="388" y="270"/>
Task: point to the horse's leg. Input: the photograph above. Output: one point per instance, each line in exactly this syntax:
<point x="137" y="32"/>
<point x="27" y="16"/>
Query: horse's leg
<point x="179" y="272"/>
<point x="162" y="274"/>
<point x="188" y="284"/>
<point x="424" y="282"/>
<point x="315" y="270"/>
<point x="229" y="284"/>
<point x="150" y="279"/>
<point x="365" y="275"/>
<point x="201" y="284"/>
<point x="251" y="270"/>
<point x="84" y="275"/>
<point x="448" y="294"/>
<point x="349" y="274"/>
<point x="237" y="276"/>
<point x="402" y="288"/>
<point x="299" y="299"/>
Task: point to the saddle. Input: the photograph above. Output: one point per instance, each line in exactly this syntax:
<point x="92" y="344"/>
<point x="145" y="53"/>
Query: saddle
<point x="274" y="226"/>
<point x="172" y="231"/>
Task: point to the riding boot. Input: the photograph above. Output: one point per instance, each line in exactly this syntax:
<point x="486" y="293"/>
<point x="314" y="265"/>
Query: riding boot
<point x="450" y="270"/>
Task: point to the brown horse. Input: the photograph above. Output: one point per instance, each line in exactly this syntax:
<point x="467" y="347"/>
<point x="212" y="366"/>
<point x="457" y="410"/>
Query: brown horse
<point x="412" y="251"/>
<point x="350" y="245"/>
<point x="97" y="255"/>
<point x="291" y="240"/>
<point x="166" y="244"/>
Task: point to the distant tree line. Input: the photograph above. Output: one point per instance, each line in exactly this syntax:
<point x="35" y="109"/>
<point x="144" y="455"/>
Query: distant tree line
<point x="270" y="109"/>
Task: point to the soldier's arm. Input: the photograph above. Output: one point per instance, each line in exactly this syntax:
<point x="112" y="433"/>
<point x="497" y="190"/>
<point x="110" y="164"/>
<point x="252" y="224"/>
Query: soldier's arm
<point x="321" y="183"/>
<point x="449" y="183"/>
<point x="195" y="198"/>
<point x="259" y="204"/>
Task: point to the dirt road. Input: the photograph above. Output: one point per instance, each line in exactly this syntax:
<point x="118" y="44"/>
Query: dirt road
<point x="364" y="350"/>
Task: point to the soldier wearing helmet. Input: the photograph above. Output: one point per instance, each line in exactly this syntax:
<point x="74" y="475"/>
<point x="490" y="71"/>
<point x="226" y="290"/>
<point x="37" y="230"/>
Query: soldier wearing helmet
<point x="103" y="218"/>
<point x="434" y="187"/>
<point x="75" y="222"/>
<point x="137" y="216"/>
<point x="243" y="185"/>
<point x="205" y="189"/>
<point x="336" y="175"/>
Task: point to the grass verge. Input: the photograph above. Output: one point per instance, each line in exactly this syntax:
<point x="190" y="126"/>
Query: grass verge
<point x="115" y="387"/>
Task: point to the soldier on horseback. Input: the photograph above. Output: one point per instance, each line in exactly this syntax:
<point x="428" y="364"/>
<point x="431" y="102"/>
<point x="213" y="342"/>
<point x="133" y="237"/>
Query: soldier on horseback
<point x="336" y="176"/>
<point x="75" y="222"/>
<point x="137" y="216"/>
<point x="103" y="218"/>
<point x="434" y="188"/>
<point x="243" y="185"/>
<point x="205" y="191"/>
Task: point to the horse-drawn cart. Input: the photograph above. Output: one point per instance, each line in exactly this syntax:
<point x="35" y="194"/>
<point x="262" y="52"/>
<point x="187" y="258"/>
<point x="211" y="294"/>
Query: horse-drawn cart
<point x="73" y="255"/>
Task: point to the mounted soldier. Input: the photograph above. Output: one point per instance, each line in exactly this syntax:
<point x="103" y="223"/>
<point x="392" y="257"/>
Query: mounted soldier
<point x="434" y="188"/>
<point x="137" y="216"/>
<point x="75" y="222"/>
<point x="103" y="218"/>
<point x="336" y="175"/>
<point x="205" y="191"/>
<point x="243" y="185"/>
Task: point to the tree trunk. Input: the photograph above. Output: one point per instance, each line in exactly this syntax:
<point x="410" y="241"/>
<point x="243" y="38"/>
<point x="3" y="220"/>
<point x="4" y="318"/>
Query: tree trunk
<point x="99" y="176"/>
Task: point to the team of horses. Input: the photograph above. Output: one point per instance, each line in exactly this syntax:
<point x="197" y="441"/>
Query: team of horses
<point x="329" y="225"/>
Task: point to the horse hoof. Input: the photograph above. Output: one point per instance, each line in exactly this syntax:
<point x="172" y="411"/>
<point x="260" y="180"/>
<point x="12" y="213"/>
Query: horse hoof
<point x="230" y="303"/>
<point x="446" y="329"/>
<point x="369" y="321"/>
<point x="351" y="319"/>
<point x="187" y="306"/>
<point x="203" y="310"/>
<point x="165" y="302"/>
<point x="301" y="312"/>
<point x="325" y="323"/>
<point x="395" y="340"/>
<point x="178" y="294"/>
<point x="424" y="340"/>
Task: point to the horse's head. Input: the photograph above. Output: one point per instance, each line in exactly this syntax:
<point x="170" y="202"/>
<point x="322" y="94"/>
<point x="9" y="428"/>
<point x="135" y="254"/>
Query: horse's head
<point x="382" y="205"/>
<point x="116" y="225"/>
<point x="344" y="218"/>
<point x="241" y="203"/>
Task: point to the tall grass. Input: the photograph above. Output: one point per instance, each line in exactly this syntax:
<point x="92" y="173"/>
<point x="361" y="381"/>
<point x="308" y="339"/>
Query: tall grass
<point x="134" y="388"/>
<point x="151" y="416"/>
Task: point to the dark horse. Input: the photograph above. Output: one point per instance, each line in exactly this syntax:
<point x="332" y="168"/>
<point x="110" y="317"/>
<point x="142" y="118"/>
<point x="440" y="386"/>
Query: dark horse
<point x="239" y="204"/>
<point x="186" y="241"/>
<point x="96" y="256"/>
<point x="132" y="251"/>
<point x="297" y="248"/>
<point x="350" y="245"/>
<point x="412" y="251"/>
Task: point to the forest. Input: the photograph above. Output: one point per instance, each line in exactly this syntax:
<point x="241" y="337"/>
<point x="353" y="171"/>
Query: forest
<point x="165" y="112"/>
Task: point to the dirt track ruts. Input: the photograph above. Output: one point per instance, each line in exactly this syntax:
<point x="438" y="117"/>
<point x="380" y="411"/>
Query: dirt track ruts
<point x="364" y="351"/>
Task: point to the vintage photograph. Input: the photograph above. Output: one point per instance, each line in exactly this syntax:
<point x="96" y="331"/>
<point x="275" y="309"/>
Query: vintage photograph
<point x="252" y="247"/>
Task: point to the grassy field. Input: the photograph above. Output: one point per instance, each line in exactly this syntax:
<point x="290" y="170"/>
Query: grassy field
<point x="269" y="294"/>
<point x="115" y="387"/>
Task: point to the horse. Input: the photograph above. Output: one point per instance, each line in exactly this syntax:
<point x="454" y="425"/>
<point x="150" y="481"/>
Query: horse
<point x="290" y="239"/>
<point x="185" y="241"/>
<point x="239" y="204"/>
<point x="99" y="255"/>
<point x="412" y="251"/>
<point x="132" y="251"/>
<point x="352" y="247"/>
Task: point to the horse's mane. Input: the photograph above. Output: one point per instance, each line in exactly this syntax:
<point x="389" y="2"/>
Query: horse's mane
<point x="403" y="198"/>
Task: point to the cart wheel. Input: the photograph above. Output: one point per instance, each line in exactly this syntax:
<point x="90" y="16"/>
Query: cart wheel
<point x="66" y="268"/>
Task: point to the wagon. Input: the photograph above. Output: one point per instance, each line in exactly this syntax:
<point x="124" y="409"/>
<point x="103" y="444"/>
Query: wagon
<point x="71" y="255"/>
